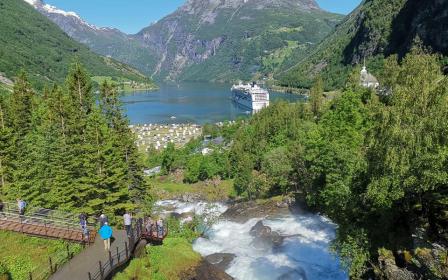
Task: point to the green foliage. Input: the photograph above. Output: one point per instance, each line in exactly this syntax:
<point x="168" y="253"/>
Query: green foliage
<point x="20" y="254"/>
<point x="374" y="163"/>
<point x="173" y="260"/>
<point x="408" y="147"/>
<point x="30" y="40"/>
<point x="375" y="30"/>
<point x="316" y="97"/>
<point x="353" y="250"/>
<point x="250" y="41"/>
<point x="68" y="148"/>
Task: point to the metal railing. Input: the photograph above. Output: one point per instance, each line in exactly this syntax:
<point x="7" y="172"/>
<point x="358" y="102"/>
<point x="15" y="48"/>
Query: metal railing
<point x="44" y="226"/>
<point x="118" y="257"/>
<point x="55" y="261"/>
<point x="41" y="212"/>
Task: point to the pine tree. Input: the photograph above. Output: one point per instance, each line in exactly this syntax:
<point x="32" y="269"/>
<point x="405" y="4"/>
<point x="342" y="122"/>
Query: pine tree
<point x="6" y="145"/>
<point x="316" y="98"/>
<point x="123" y="141"/>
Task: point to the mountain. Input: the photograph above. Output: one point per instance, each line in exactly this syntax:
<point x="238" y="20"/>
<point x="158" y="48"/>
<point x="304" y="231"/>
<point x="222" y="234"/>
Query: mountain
<point x="108" y="42"/>
<point x="30" y="41"/>
<point x="376" y="29"/>
<point x="209" y="39"/>
<point x="225" y="40"/>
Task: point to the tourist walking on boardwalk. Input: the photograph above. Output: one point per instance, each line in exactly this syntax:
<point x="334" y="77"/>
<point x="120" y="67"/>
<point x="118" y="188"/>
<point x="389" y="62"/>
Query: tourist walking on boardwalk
<point x="148" y="226"/>
<point x="106" y="233"/>
<point x="127" y="223"/>
<point x="160" y="230"/>
<point x="103" y="220"/>
<point x="1" y="209"/>
<point x="83" y="224"/>
<point x="21" y="206"/>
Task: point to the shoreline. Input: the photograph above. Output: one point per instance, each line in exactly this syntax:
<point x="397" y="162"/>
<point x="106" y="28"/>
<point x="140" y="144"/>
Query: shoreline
<point x="289" y="90"/>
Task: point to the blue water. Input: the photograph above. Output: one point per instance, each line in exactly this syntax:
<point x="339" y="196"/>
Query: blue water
<point x="197" y="103"/>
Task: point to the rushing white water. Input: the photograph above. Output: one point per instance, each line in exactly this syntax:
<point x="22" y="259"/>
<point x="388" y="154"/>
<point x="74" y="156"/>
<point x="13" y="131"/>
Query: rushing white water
<point x="198" y="208"/>
<point x="303" y="255"/>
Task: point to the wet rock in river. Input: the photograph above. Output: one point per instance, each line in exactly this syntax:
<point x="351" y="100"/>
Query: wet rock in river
<point x="208" y="271"/>
<point x="243" y="211"/>
<point x="220" y="260"/>
<point x="265" y="238"/>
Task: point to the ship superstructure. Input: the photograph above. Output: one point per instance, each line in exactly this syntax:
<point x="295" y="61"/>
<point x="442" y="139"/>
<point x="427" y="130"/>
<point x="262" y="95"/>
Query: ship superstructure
<point x="250" y="96"/>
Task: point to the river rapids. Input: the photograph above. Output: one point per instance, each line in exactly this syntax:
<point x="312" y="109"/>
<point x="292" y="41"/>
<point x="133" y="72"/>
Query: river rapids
<point x="303" y="253"/>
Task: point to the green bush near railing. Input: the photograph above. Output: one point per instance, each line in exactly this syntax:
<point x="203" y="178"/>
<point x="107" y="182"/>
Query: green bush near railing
<point x="21" y="254"/>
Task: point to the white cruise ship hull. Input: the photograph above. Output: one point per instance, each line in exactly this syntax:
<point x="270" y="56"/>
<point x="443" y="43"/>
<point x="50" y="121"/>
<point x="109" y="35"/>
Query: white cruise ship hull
<point x="246" y="100"/>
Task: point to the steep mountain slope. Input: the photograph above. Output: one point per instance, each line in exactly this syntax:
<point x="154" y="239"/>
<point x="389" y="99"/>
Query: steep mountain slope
<point x="209" y="39"/>
<point x="233" y="39"/>
<point x="377" y="28"/>
<point x="30" y="41"/>
<point x="109" y="42"/>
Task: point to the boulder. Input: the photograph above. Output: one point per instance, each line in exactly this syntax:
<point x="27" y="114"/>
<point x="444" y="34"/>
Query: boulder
<point x="389" y="270"/>
<point x="208" y="271"/>
<point x="220" y="260"/>
<point x="265" y="238"/>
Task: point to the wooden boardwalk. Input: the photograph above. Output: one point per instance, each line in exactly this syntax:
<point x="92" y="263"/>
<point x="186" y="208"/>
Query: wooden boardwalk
<point x="89" y="261"/>
<point x="94" y="262"/>
<point x="47" y="230"/>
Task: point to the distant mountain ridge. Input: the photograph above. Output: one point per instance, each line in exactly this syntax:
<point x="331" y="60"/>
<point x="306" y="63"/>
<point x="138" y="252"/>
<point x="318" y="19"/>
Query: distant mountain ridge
<point x="30" y="41"/>
<point x="233" y="39"/>
<point x="209" y="39"/>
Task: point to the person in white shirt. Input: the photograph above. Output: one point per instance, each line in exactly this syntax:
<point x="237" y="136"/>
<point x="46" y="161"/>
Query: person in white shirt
<point x="127" y="223"/>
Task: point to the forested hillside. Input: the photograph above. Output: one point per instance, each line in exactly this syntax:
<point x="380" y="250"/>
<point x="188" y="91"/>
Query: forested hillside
<point x="30" y="41"/>
<point x="376" y="165"/>
<point x="68" y="149"/>
<point x="376" y="29"/>
<point x="210" y="40"/>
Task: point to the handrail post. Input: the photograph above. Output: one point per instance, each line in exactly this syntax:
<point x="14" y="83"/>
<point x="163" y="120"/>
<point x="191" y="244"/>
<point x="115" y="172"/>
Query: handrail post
<point x="126" y="249"/>
<point x="90" y="275"/>
<point x="51" y="264"/>
<point x="118" y="255"/>
<point x="101" y="269"/>
<point x="111" y="261"/>
<point x="68" y="252"/>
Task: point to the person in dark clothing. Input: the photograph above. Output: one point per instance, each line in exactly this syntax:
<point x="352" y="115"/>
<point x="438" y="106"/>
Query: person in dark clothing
<point x="2" y="205"/>
<point x="83" y="224"/>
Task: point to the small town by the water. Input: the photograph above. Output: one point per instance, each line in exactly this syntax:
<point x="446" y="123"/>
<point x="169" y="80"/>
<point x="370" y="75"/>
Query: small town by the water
<point x="159" y="136"/>
<point x="224" y="139"/>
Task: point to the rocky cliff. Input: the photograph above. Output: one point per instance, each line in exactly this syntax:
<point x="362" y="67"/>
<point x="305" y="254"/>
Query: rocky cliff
<point x="108" y="42"/>
<point x="233" y="39"/>
<point x="376" y="29"/>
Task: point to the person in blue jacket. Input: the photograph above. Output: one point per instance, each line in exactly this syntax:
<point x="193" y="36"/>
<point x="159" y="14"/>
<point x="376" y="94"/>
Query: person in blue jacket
<point x="105" y="234"/>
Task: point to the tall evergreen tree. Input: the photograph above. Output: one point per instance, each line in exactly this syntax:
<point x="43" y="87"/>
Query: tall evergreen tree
<point x="123" y="140"/>
<point x="6" y="144"/>
<point x="316" y="97"/>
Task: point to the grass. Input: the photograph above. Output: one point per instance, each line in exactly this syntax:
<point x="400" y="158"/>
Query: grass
<point x="174" y="260"/>
<point x="124" y="84"/>
<point x="165" y="188"/>
<point x="21" y="254"/>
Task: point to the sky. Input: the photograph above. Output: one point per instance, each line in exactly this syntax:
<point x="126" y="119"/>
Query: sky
<point x="131" y="16"/>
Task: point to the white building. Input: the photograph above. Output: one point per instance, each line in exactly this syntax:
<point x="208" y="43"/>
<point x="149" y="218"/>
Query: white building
<point x="368" y="80"/>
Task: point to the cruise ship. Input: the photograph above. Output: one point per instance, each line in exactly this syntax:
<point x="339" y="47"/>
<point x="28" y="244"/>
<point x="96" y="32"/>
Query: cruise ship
<point x="250" y="96"/>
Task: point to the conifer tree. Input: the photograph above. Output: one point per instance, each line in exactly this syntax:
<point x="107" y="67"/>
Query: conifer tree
<point x="6" y="145"/>
<point x="316" y="97"/>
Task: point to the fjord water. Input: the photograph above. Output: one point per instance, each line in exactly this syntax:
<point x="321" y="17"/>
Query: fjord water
<point x="303" y="255"/>
<point x="197" y="103"/>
